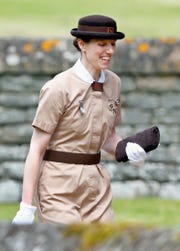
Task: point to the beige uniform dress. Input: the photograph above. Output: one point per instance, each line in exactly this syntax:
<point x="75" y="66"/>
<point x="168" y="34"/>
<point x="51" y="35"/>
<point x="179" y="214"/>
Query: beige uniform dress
<point x="80" y="121"/>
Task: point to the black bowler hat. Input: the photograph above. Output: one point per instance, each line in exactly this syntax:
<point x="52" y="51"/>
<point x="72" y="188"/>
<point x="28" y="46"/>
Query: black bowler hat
<point x="97" y="26"/>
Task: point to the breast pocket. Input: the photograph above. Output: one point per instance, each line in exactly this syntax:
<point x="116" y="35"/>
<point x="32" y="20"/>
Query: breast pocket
<point x="79" y="124"/>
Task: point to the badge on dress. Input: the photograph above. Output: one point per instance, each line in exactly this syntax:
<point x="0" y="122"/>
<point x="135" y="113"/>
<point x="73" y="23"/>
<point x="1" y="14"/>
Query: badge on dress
<point x="113" y="104"/>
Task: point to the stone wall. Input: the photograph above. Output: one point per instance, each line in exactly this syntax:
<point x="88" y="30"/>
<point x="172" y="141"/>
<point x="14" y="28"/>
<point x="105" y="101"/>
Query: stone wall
<point x="93" y="237"/>
<point x="150" y="73"/>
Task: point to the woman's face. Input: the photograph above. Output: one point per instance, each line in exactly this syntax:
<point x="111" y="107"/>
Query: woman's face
<point x="97" y="54"/>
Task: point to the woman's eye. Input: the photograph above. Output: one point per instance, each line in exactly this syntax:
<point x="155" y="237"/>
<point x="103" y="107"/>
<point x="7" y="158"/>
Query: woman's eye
<point x="101" y="44"/>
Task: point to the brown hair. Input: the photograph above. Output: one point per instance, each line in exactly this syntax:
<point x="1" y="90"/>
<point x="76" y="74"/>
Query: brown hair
<point x="85" y="39"/>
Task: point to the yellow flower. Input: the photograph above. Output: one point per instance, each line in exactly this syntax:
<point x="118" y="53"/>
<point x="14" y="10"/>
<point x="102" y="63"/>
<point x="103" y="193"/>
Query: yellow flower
<point x="49" y="44"/>
<point x="143" y="47"/>
<point x="129" y="40"/>
<point x="28" y="47"/>
<point x="170" y="40"/>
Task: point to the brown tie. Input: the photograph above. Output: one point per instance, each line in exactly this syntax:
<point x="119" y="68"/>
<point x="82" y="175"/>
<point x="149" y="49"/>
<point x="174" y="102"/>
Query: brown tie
<point x="96" y="86"/>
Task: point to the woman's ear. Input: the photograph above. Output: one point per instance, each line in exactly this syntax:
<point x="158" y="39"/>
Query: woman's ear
<point x="81" y="44"/>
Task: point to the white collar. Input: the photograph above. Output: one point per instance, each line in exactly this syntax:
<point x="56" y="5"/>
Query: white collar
<point x="83" y="74"/>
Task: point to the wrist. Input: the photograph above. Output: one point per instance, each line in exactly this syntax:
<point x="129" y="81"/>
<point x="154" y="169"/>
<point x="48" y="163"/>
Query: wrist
<point x="29" y="207"/>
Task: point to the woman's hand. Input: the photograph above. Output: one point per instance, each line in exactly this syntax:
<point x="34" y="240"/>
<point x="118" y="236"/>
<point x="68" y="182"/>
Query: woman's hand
<point x="25" y="215"/>
<point x="135" y="154"/>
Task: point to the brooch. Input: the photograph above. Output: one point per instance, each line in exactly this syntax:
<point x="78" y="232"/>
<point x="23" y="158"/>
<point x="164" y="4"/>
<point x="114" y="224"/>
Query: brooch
<point x="81" y="107"/>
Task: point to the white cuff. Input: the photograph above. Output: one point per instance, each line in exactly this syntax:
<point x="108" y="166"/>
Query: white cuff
<point x="28" y="207"/>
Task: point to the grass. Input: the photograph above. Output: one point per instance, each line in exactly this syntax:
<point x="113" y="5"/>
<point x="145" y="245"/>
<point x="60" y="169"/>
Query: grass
<point x="137" y="18"/>
<point x="8" y="211"/>
<point x="153" y="211"/>
<point x="156" y="211"/>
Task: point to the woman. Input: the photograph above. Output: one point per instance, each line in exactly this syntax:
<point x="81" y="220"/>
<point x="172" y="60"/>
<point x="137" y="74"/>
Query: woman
<point x="76" y="118"/>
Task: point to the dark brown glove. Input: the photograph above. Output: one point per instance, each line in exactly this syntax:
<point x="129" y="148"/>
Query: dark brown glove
<point x="148" y="139"/>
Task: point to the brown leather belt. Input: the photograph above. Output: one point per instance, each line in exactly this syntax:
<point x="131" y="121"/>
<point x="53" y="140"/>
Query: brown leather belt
<point x="72" y="158"/>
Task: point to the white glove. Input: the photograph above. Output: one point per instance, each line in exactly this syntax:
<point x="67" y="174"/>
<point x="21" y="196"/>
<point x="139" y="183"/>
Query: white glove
<point x="25" y="215"/>
<point x="135" y="154"/>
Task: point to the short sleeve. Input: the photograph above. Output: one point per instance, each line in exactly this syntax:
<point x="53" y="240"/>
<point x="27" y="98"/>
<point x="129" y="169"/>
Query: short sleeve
<point x="50" y="108"/>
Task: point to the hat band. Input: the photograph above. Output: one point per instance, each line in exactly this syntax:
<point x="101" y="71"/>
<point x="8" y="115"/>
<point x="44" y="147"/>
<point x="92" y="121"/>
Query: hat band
<point x="96" y="28"/>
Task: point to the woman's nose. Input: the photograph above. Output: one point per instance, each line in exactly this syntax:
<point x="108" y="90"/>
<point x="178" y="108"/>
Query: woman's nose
<point x="110" y="49"/>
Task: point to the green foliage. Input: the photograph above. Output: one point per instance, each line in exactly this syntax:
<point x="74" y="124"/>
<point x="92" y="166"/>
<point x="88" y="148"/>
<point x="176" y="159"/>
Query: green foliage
<point x="137" y="18"/>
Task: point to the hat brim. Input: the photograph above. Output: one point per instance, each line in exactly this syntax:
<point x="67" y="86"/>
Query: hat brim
<point x="116" y="35"/>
